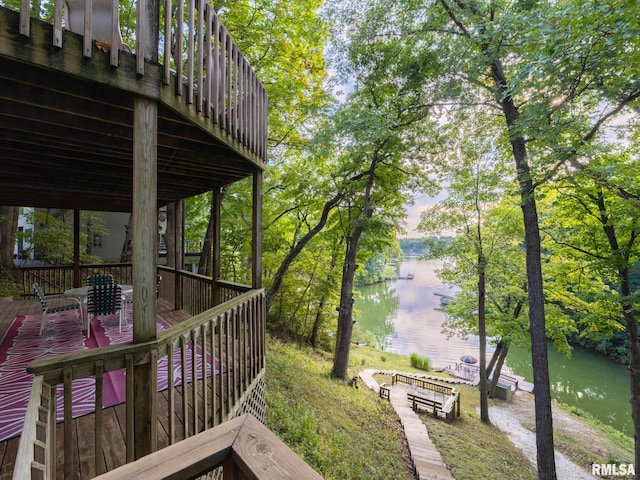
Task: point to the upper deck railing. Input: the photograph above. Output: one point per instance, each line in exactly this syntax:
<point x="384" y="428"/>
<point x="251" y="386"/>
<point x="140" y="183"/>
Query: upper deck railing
<point x="208" y="70"/>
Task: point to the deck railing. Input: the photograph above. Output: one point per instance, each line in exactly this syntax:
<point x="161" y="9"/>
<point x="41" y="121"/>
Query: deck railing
<point x="185" y="290"/>
<point x="220" y="355"/>
<point x="422" y="383"/>
<point x="55" y="279"/>
<point x="243" y="446"/>
<point x="199" y="56"/>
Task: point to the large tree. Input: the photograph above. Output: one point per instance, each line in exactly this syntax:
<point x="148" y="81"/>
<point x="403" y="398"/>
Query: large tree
<point x="475" y="180"/>
<point x="8" y="229"/>
<point x="545" y="69"/>
<point x="378" y="136"/>
<point x="595" y="242"/>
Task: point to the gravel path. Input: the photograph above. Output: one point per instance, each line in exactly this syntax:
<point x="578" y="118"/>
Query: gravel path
<point x="505" y="419"/>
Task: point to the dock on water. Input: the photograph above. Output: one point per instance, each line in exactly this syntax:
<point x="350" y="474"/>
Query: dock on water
<point x="471" y="373"/>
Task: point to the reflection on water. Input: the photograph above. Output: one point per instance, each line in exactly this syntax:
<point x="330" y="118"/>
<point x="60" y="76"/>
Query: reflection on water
<point x="403" y="317"/>
<point x="589" y="381"/>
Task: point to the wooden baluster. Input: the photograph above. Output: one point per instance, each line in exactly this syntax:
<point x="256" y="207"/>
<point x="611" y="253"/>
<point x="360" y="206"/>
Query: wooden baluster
<point x="194" y="379"/>
<point x="68" y="421"/>
<point x="130" y="433"/>
<point x="171" y="393"/>
<point x="98" y="420"/>
<point x="185" y="394"/>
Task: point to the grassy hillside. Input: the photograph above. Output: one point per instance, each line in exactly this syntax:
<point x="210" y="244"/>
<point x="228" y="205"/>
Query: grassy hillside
<point x="349" y="433"/>
<point x="341" y="431"/>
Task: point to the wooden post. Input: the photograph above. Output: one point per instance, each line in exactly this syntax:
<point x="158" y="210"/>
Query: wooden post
<point x="145" y="248"/>
<point x="257" y="230"/>
<point x="175" y="247"/>
<point x="216" y="203"/>
<point x="76" y="248"/>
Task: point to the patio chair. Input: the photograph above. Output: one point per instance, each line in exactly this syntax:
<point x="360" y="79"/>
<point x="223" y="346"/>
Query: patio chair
<point x="100" y="279"/>
<point x="56" y="303"/>
<point x="106" y="300"/>
<point x="101" y="19"/>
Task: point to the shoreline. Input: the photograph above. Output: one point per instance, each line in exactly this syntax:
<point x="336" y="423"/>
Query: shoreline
<point x="557" y="402"/>
<point x="578" y="443"/>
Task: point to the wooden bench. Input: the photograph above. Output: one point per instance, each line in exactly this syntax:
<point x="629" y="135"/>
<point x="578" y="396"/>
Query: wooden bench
<point x="451" y="407"/>
<point x="421" y="399"/>
<point x="442" y="400"/>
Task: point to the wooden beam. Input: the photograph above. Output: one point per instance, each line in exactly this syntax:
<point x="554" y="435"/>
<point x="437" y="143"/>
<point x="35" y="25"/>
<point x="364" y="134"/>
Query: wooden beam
<point x="243" y="445"/>
<point x="256" y="246"/>
<point x="76" y="249"/>
<point x="145" y="248"/>
<point x="215" y="270"/>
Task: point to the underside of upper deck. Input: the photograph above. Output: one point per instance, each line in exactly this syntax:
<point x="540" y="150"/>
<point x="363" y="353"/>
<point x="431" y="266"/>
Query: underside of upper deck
<point x="67" y="122"/>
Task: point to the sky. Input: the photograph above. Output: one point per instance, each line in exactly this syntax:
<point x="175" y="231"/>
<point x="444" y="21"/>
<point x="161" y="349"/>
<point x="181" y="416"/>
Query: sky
<point x="413" y="214"/>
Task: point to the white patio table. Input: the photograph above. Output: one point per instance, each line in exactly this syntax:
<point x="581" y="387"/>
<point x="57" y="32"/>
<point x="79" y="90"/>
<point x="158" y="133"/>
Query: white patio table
<point x="82" y="292"/>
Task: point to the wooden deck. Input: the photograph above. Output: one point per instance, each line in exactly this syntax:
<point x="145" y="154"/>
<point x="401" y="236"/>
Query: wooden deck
<point x="114" y="417"/>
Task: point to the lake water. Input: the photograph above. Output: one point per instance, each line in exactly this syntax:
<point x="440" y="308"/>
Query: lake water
<point x="403" y="317"/>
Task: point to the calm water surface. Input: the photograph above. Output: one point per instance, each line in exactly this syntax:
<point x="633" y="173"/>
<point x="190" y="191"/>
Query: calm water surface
<point x="403" y="316"/>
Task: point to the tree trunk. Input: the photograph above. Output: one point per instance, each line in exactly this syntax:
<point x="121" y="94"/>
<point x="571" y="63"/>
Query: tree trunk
<point x="89" y="246"/>
<point x="345" y="310"/>
<point x="494" y="357"/>
<point x="626" y="303"/>
<point x="295" y="250"/>
<point x="537" y="329"/>
<point x="127" y="248"/>
<point x="482" y="333"/>
<point x="634" y="360"/>
<point x="496" y="373"/>
<point x="313" y="338"/>
<point x="8" y="228"/>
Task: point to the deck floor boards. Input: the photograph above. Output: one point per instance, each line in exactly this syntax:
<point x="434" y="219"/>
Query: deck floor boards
<point x="113" y="443"/>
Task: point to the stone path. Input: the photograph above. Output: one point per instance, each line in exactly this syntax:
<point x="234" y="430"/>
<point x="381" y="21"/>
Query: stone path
<point x="427" y="462"/>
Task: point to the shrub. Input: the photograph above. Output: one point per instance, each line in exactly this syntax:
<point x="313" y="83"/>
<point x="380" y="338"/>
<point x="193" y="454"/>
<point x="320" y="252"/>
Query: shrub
<point x="9" y="286"/>
<point x="422" y="363"/>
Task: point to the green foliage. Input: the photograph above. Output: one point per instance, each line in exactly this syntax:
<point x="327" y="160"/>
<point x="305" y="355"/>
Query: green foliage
<point x="377" y="268"/>
<point x="422" y="363"/>
<point x="584" y="270"/>
<point x="414" y="246"/>
<point x="9" y="285"/>
<point x="197" y="214"/>
<point x="52" y="236"/>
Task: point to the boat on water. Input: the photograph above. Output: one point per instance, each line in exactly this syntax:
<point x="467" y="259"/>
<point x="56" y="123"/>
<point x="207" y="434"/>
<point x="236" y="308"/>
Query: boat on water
<point x="444" y="300"/>
<point x="408" y="276"/>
